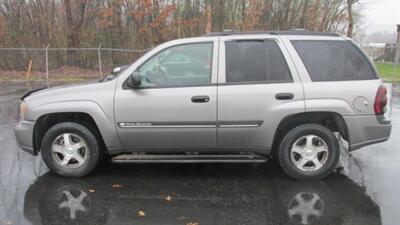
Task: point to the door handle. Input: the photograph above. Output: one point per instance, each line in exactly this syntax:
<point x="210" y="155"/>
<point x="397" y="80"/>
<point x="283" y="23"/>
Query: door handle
<point x="284" y="96"/>
<point x="200" y="99"/>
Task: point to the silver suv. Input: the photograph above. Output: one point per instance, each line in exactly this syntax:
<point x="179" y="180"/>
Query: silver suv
<point x="223" y="97"/>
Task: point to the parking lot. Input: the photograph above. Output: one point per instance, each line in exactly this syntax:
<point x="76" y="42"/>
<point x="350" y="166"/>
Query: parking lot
<point x="365" y="191"/>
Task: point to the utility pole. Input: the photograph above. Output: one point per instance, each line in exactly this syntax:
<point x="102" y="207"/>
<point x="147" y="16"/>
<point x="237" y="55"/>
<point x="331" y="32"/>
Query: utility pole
<point x="397" y="57"/>
<point x="397" y="60"/>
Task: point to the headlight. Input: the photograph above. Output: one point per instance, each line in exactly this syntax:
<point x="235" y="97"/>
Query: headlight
<point x="22" y="110"/>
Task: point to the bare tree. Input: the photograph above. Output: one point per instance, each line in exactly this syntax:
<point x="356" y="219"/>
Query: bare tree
<point x="350" y="14"/>
<point x="74" y="27"/>
<point x="142" y="24"/>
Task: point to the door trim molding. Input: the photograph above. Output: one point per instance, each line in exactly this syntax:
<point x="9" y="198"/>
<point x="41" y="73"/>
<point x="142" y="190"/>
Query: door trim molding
<point x="239" y="124"/>
<point x="206" y="124"/>
<point x="166" y="124"/>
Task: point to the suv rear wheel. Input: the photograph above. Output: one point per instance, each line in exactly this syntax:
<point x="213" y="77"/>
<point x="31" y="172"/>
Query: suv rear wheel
<point x="70" y="149"/>
<point x="308" y="152"/>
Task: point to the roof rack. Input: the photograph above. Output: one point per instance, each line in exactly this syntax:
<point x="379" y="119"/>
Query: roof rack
<point x="289" y="32"/>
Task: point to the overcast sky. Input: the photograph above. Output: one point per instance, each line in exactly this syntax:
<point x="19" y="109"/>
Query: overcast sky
<point x="379" y="15"/>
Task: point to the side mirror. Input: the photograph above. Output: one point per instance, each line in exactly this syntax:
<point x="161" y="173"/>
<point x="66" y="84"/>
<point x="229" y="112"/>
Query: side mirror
<point x="134" y="80"/>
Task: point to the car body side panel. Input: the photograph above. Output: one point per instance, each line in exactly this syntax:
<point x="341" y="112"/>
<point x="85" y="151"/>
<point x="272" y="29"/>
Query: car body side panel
<point x="95" y="99"/>
<point x="164" y="118"/>
<point x="350" y="97"/>
<point x="105" y="126"/>
<point x="353" y="100"/>
<point x="366" y="130"/>
<point x="158" y="118"/>
<point x="339" y="106"/>
<point x="358" y="94"/>
<point x="23" y="134"/>
<point x="249" y="103"/>
<point x="254" y="103"/>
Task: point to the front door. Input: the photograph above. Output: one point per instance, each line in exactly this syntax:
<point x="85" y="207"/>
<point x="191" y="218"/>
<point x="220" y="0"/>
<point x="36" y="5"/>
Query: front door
<point x="175" y="107"/>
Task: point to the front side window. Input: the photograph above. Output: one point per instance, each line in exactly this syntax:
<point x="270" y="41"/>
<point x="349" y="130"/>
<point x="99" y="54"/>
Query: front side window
<point x="255" y="61"/>
<point x="334" y="61"/>
<point x="181" y="65"/>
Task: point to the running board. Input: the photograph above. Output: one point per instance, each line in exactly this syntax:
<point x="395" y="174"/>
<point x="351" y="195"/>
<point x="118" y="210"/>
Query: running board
<point x="144" y="158"/>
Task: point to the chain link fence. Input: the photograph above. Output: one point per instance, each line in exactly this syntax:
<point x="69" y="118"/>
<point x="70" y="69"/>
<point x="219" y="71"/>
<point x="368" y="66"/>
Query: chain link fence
<point x="386" y="59"/>
<point x="91" y="63"/>
<point x="63" y="63"/>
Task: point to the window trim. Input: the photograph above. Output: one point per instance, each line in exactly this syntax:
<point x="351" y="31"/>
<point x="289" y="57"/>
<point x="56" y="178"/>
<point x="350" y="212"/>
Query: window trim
<point x="370" y="63"/>
<point x="125" y="86"/>
<point x="257" y="82"/>
<point x="264" y="40"/>
<point x="358" y="49"/>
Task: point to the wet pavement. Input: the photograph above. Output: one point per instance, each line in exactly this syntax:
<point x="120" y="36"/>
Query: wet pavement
<point x="365" y="192"/>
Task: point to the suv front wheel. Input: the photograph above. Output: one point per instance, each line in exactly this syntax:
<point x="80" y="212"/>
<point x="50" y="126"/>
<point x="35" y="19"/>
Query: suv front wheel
<point x="308" y="152"/>
<point x="70" y="149"/>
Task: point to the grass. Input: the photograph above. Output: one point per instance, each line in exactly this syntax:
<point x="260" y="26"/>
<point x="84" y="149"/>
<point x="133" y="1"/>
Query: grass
<point x="388" y="71"/>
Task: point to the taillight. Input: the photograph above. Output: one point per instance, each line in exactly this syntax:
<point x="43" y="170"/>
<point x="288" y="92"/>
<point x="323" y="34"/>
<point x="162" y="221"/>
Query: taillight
<point x="380" y="101"/>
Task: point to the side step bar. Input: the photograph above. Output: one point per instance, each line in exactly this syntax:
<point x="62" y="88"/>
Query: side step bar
<point x="153" y="158"/>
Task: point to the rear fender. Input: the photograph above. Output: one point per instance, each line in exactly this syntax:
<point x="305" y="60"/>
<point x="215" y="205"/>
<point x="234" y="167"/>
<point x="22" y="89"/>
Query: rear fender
<point x="338" y="106"/>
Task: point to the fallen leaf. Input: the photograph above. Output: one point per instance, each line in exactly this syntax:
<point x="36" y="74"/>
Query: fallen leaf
<point x="192" y="223"/>
<point x="168" y="198"/>
<point x="141" y="213"/>
<point x="182" y="218"/>
<point x="91" y="190"/>
<point x="117" y="185"/>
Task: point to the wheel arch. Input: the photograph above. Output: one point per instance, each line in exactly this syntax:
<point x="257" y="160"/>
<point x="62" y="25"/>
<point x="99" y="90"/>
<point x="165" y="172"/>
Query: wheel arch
<point x="78" y="111"/>
<point x="46" y="121"/>
<point x="332" y="120"/>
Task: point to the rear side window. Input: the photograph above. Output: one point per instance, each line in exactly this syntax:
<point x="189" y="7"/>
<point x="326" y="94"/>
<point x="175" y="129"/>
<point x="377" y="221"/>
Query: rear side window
<point x="334" y="61"/>
<point x="255" y="61"/>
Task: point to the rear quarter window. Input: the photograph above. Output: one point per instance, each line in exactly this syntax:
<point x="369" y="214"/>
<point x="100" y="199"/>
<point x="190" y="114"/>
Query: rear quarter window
<point x="334" y="60"/>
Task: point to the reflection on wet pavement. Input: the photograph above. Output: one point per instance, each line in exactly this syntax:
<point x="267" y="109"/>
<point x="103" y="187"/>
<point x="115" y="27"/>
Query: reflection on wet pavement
<point x="190" y="194"/>
<point x="212" y="194"/>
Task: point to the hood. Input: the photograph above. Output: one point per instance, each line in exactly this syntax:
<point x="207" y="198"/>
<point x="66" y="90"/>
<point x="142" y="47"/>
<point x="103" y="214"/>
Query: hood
<point x="69" y="97"/>
<point x="59" y="88"/>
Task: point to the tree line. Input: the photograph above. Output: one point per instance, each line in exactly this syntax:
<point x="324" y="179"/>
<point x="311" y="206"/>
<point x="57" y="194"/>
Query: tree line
<point x="141" y="24"/>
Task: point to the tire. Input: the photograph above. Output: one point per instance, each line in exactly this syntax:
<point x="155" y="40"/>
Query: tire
<point x="56" y="151"/>
<point x="309" y="152"/>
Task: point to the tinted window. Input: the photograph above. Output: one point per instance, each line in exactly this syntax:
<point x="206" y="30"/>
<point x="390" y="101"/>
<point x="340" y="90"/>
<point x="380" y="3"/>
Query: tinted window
<point x="182" y="65"/>
<point x="255" y="61"/>
<point x="334" y="60"/>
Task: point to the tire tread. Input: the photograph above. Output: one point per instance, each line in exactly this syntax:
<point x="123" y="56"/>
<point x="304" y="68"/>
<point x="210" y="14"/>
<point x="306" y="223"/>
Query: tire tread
<point x="295" y="175"/>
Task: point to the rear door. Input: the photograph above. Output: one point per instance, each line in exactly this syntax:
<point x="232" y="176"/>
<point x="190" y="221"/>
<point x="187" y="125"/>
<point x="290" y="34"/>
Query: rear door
<point x="258" y="86"/>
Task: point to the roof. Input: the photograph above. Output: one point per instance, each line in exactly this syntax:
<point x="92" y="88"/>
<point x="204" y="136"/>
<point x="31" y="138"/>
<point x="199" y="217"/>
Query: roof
<point x="289" y="32"/>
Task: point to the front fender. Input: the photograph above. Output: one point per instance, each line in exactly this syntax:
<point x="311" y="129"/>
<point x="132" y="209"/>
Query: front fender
<point x="104" y="122"/>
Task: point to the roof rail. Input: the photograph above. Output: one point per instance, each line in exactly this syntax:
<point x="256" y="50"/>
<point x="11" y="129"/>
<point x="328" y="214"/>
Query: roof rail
<point x="289" y="32"/>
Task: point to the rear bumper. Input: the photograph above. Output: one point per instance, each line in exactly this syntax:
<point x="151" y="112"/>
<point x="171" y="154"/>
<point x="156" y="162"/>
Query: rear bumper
<point x="23" y="134"/>
<point x="366" y="130"/>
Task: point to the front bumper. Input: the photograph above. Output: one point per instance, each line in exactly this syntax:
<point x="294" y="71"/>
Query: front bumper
<point x="366" y="130"/>
<point x="24" y="136"/>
